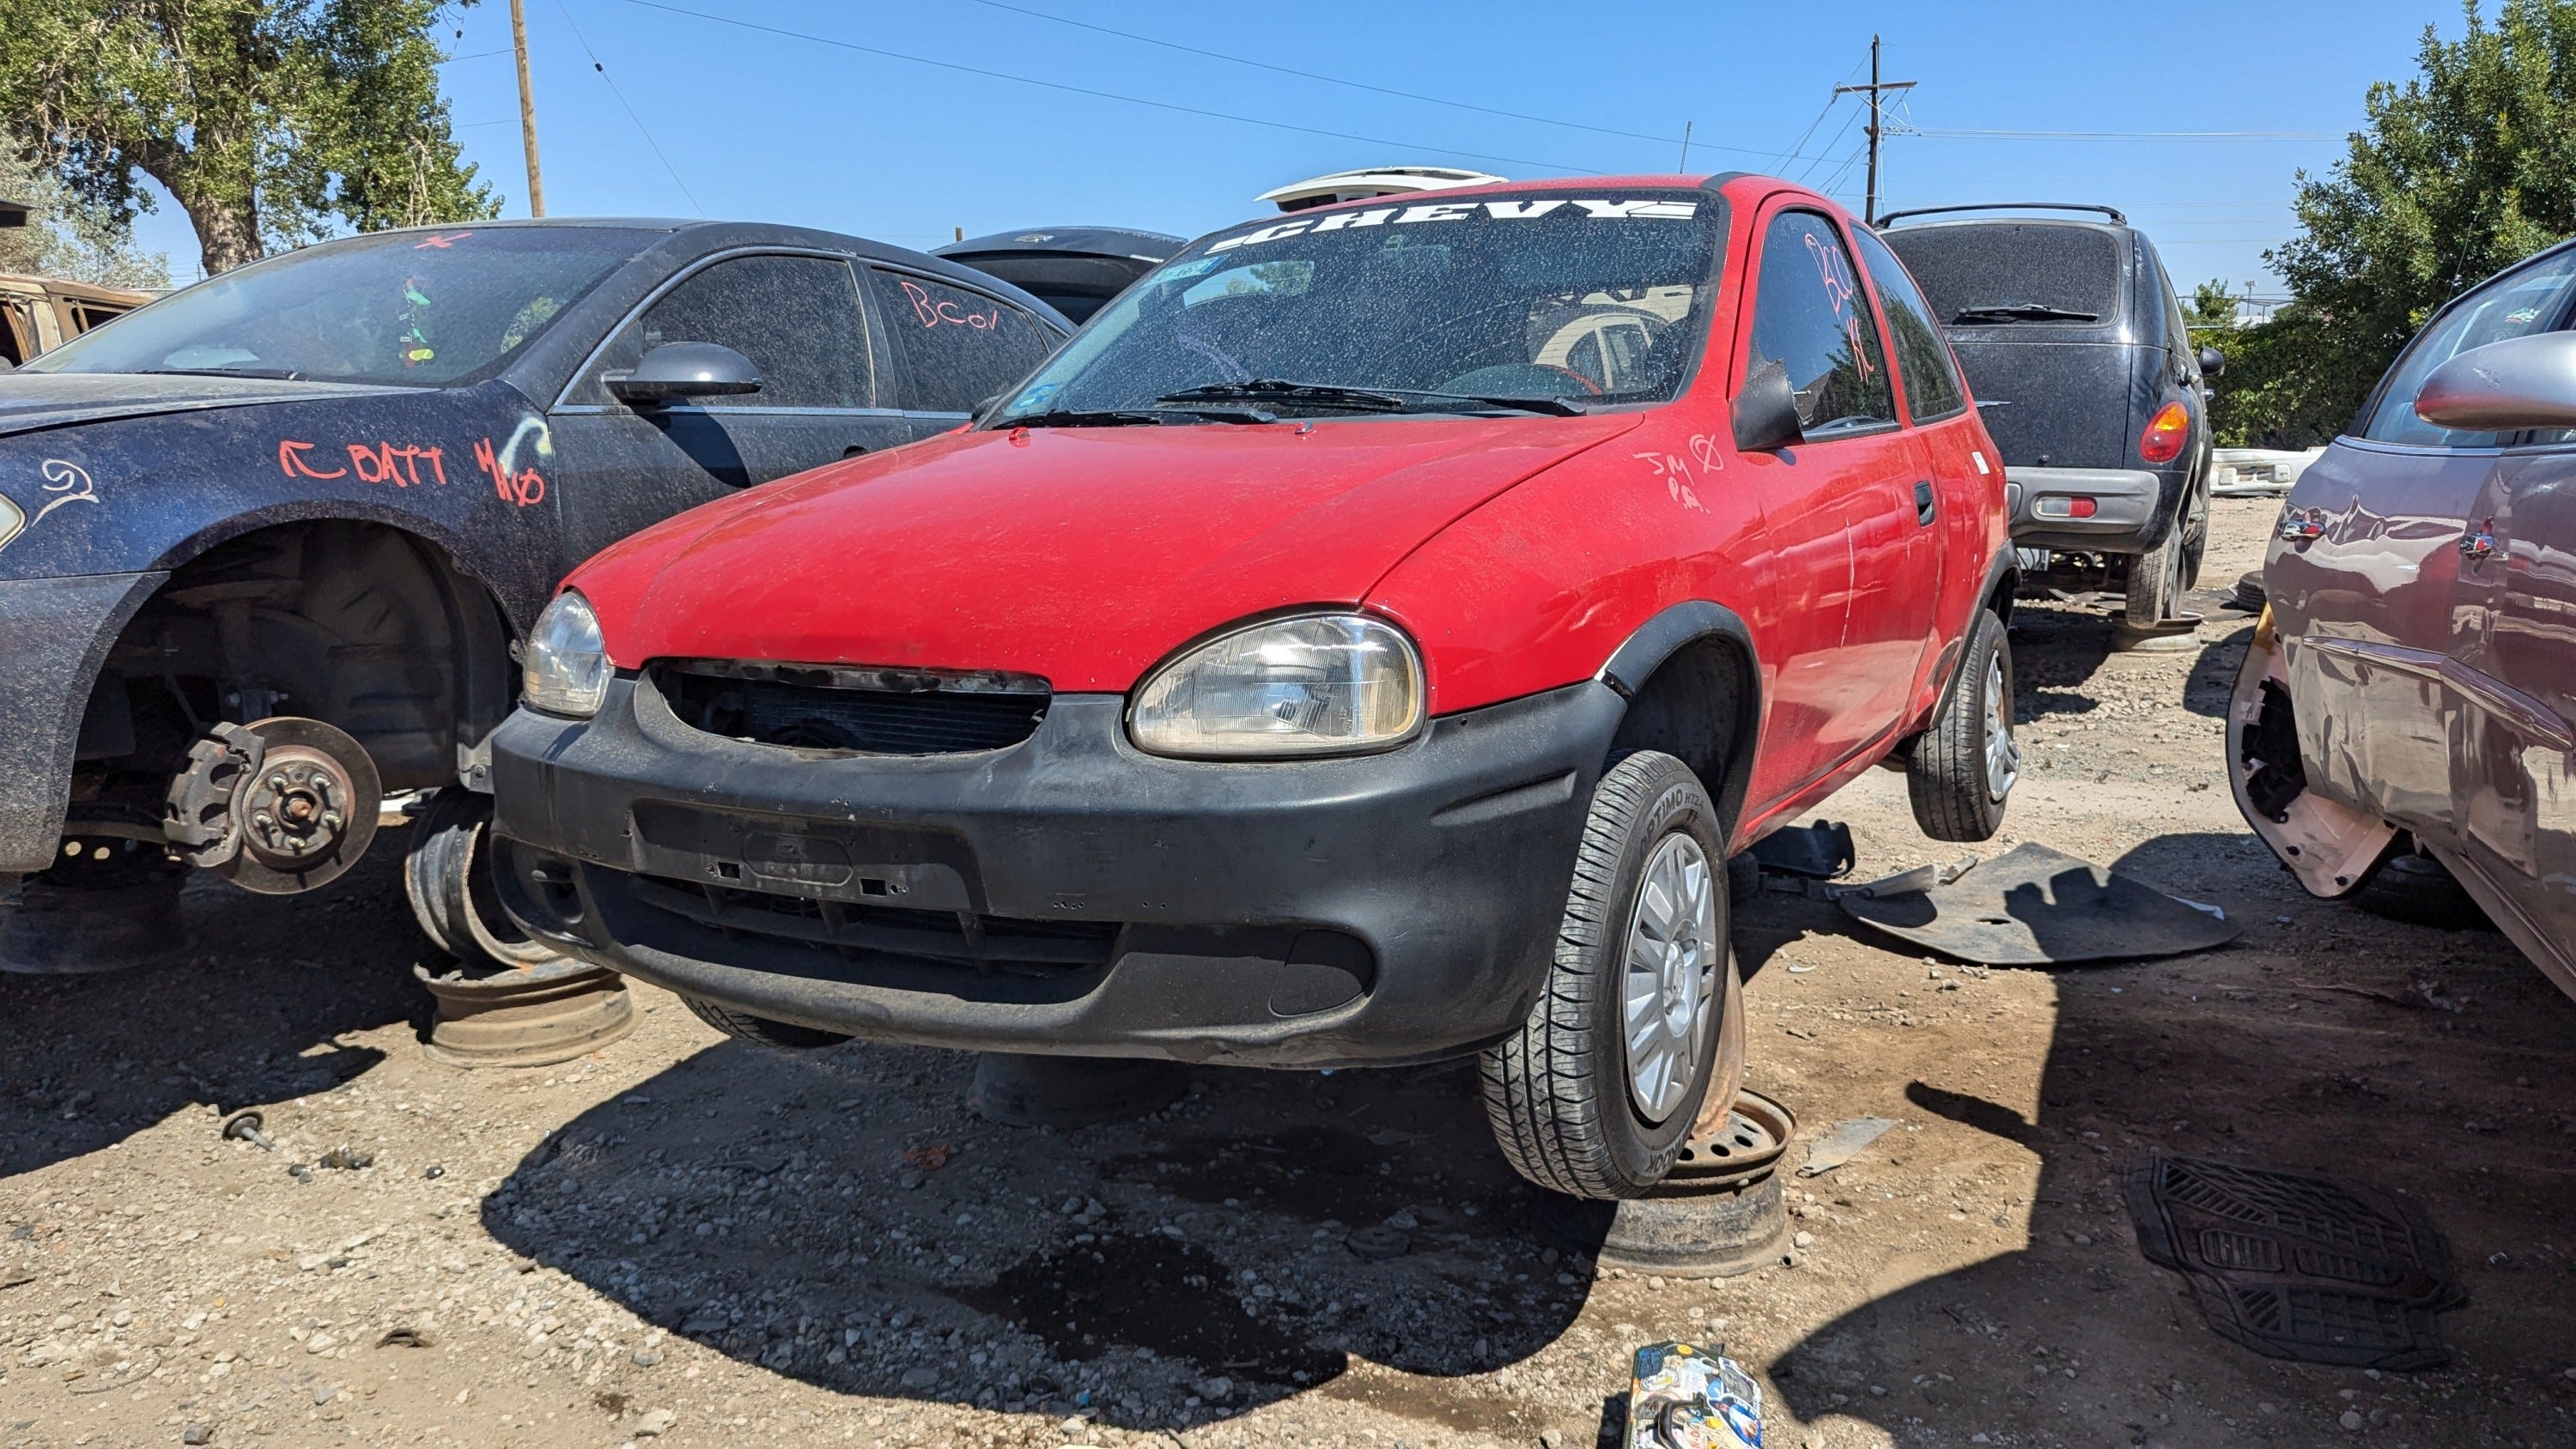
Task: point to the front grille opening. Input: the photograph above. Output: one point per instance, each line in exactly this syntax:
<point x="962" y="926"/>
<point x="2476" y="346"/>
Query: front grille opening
<point x="1003" y="944"/>
<point x="857" y="711"/>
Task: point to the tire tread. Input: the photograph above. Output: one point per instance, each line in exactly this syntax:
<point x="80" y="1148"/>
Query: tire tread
<point x="1542" y="1091"/>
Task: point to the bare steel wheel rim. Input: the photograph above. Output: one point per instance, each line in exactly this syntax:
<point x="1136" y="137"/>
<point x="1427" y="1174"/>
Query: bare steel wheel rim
<point x="1670" y="979"/>
<point x="2003" y="753"/>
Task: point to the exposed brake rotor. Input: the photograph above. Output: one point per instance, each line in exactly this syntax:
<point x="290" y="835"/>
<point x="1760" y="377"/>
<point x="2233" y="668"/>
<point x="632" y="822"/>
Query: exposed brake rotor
<point x="276" y="806"/>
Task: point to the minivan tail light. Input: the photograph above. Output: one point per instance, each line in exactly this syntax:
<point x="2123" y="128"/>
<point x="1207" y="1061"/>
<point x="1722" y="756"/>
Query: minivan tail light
<point x="2166" y="432"/>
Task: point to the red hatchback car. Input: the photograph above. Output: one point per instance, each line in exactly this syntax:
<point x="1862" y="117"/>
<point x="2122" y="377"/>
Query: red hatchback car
<point x="1364" y="643"/>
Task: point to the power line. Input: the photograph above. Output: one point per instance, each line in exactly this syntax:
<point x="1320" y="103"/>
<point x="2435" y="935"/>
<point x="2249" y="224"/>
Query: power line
<point x="640" y="127"/>
<point x="1831" y="97"/>
<point x="1848" y="122"/>
<point x="1956" y="134"/>
<point x="1069" y="89"/>
<point x="1340" y="80"/>
<point x="1173" y="106"/>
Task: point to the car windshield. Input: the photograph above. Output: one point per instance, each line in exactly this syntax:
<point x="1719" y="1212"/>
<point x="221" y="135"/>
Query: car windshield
<point x="1992" y="273"/>
<point x="423" y="308"/>
<point x="1549" y="301"/>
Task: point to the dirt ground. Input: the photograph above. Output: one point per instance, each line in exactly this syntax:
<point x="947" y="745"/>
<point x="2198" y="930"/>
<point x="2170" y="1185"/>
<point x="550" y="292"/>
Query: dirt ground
<point x="682" y="1240"/>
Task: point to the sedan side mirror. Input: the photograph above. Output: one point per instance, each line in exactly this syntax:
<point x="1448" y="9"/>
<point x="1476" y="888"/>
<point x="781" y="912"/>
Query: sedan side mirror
<point x="2212" y="362"/>
<point x="2521" y="382"/>
<point x="678" y="370"/>
<point x="1766" y="412"/>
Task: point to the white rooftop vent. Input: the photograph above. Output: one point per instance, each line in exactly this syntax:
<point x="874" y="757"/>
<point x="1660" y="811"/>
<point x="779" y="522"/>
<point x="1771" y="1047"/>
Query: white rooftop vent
<point x="1371" y="181"/>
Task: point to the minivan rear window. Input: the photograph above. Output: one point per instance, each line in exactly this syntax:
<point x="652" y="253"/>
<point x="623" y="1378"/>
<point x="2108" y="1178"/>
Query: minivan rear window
<point x="2013" y="273"/>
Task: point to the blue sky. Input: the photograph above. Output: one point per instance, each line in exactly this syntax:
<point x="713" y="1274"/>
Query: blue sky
<point x="764" y="126"/>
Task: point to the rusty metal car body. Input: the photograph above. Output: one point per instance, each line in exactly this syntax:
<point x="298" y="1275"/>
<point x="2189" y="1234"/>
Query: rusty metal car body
<point x="2413" y="682"/>
<point x="39" y="314"/>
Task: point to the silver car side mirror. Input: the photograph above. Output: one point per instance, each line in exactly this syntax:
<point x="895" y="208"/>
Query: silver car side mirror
<point x="2521" y="382"/>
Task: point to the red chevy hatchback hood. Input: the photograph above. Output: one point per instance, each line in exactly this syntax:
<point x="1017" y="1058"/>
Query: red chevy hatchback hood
<point x="1080" y="554"/>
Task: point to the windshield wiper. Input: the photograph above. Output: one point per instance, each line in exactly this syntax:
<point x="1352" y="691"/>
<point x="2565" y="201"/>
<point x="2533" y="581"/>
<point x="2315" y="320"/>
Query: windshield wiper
<point x="1378" y="399"/>
<point x="1322" y="394"/>
<point x="2022" y="312"/>
<point x="1131" y="417"/>
<point x="275" y="374"/>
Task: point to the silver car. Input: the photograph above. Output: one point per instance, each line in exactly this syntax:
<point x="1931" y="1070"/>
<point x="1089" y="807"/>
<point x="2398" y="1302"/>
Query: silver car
<point x="2405" y="711"/>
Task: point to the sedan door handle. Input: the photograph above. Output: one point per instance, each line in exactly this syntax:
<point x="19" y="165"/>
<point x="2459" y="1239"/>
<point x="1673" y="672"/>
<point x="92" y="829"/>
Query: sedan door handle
<point x="1923" y="509"/>
<point x="2479" y="542"/>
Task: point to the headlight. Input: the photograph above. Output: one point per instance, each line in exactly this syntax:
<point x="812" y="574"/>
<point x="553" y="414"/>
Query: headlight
<point x="12" y="518"/>
<point x="1324" y="685"/>
<point x="567" y="668"/>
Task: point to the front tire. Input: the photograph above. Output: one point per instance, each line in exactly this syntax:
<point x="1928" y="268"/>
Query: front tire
<point x="1961" y="771"/>
<point x="1596" y="1092"/>
<point x="448" y="876"/>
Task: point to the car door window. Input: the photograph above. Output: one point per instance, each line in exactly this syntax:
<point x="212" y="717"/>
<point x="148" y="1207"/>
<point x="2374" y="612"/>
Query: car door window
<point x="1923" y="361"/>
<point x="2530" y="300"/>
<point x="954" y="347"/>
<point x="797" y="318"/>
<point x="1810" y="314"/>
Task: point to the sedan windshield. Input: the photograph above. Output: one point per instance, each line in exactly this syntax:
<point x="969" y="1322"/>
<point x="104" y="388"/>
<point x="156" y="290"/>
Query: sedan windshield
<point x="424" y="308"/>
<point x="1549" y="302"/>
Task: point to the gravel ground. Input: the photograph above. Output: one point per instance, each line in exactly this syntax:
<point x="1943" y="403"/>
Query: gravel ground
<point x="682" y="1240"/>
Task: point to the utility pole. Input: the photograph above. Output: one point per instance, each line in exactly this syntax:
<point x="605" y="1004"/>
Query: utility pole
<point x="1877" y="117"/>
<point x="528" y="107"/>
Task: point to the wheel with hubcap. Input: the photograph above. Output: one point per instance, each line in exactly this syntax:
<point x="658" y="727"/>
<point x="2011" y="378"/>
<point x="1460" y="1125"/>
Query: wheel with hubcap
<point x="1597" y="1091"/>
<point x="1960" y="772"/>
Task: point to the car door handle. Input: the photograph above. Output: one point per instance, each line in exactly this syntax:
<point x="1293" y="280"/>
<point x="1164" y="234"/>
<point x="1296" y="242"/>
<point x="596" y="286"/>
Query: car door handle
<point x="2479" y="542"/>
<point x="1923" y="505"/>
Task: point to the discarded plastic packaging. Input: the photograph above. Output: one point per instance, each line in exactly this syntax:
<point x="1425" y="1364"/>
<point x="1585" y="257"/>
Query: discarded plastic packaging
<point x="1683" y="1397"/>
<point x="1842" y="1144"/>
<point x="1907" y="882"/>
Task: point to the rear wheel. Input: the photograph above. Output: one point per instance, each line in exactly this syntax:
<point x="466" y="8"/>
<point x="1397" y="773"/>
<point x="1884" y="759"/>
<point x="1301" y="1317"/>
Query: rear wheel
<point x="2159" y="579"/>
<point x="2195" y="538"/>
<point x="2415" y="888"/>
<point x="448" y="875"/>
<point x="1596" y="1092"/>
<point x="760" y="1030"/>
<point x="1960" y="772"/>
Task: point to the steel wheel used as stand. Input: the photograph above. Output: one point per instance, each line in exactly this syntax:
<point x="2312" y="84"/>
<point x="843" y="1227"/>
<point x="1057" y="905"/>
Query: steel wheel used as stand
<point x="1718" y="1214"/>
<point x="1040" y="1091"/>
<point x="523" y="1016"/>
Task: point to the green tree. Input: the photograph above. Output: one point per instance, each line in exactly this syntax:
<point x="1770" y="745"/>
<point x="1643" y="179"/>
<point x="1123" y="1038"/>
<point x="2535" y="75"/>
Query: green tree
<point x="2212" y="306"/>
<point x="68" y="237"/>
<point x="2465" y="169"/>
<point x="273" y="122"/>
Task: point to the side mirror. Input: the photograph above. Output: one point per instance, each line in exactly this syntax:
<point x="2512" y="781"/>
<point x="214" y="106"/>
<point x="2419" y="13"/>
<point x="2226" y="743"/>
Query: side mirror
<point x="677" y="370"/>
<point x="1766" y="412"/>
<point x="2521" y="382"/>
<point x="2212" y="362"/>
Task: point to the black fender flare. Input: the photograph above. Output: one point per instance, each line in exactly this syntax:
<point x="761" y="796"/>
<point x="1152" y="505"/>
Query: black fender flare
<point x="2002" y="583"/>
<point x="1669" y="632"/>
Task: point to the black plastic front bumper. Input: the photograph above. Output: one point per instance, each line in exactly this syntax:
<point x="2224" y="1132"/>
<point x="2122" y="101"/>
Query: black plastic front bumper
<point x="1068" y="894"/>
<point x="54" y="635"/>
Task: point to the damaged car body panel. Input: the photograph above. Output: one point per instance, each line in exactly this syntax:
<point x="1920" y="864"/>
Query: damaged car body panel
<point x="2422" y="624"/>
<point x="336" y="485"/>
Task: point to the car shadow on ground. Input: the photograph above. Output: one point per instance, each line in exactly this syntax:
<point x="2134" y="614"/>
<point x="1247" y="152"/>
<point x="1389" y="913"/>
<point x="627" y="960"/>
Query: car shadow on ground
<point x="841" y="1217"/>
<point x="89" y="1060"/>
<point x="2224" y="1054"/>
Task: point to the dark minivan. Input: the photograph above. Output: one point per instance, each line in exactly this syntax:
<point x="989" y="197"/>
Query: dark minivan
<point x="2075" y="346"/>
